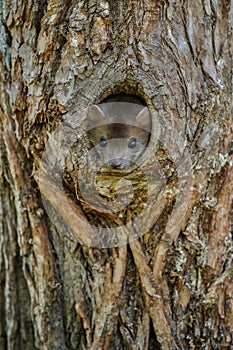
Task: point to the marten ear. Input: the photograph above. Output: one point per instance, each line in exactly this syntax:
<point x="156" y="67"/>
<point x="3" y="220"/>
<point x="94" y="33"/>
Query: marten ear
<point x="144" y="119"/>
<point x="96" y="115"/>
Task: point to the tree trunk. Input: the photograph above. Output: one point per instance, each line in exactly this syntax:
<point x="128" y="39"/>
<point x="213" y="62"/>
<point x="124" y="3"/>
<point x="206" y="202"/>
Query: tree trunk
<point x="157" y="273"/>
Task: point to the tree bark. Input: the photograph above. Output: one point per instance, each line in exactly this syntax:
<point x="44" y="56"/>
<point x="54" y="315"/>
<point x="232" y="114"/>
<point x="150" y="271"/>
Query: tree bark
<point x="157" y="273"/>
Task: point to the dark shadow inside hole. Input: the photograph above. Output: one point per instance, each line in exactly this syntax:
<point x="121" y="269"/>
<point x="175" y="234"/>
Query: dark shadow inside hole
<point x="153" y="342"/>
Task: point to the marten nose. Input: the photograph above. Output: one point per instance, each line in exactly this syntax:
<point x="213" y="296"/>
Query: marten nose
<point x="115" y="163"/>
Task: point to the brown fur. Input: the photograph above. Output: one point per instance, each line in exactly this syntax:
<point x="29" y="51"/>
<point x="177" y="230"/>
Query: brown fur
<point x="118" y="124"/>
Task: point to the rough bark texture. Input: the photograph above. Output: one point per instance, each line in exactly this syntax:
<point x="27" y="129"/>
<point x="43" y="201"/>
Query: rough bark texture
<point x="62" y="286"/>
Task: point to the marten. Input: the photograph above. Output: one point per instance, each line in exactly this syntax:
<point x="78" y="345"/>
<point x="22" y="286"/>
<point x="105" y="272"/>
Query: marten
<point x="119" y="129"/>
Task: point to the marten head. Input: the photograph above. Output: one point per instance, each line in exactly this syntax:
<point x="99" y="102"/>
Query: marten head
<point x="119" y="131"/>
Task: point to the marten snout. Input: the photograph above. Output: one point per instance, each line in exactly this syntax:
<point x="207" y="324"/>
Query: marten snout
<point x="115" y="163"/>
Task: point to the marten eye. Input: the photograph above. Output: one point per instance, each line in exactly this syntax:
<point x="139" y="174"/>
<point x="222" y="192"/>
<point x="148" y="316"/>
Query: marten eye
<point x="132" y="143"/>
<point x="103" y="142"/>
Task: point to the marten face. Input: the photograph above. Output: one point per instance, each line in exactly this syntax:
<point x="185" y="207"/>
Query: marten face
<point x="120" y="132"/>
<point x="119" y="145"/>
